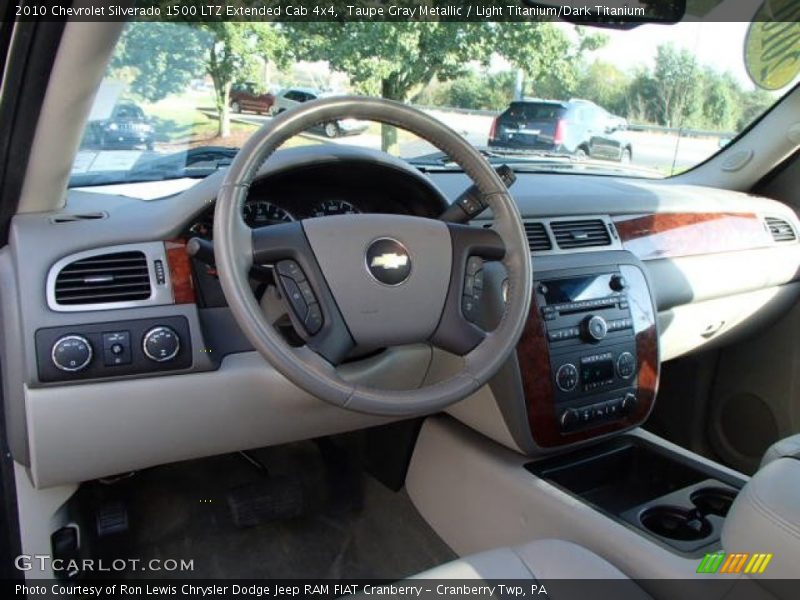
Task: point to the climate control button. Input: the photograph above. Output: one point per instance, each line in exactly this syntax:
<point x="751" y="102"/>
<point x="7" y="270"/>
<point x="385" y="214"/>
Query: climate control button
<point x="567" y="377"/>
<point x="72" y="353"/>
<point x="161" y="344"/>
<point x="626" y="365"/>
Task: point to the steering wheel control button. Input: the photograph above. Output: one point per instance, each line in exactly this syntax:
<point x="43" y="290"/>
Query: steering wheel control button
<point x="567" y="377"/>
<point x="291" y="269"/>
<point x="626" y="365"/>
<point x="595" y="328"/>
<point x="72" y="353"/>
<point x="473" y="288"/>
<point x="388" y="261"/>
<point x="117" y="348"/>
<point x="295" y="297"/>
<point x="313" y="321"/>
<point x="161" y="344"/>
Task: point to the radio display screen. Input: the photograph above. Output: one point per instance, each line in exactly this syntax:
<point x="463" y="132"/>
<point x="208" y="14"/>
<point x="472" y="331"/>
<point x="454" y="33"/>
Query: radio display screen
<point x="597" y="371"/>
<point x="576" y="289"/>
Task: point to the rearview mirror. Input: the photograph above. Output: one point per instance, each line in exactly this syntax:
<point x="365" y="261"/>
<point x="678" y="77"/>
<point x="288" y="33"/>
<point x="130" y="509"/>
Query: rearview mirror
<point x="621" y="14"/>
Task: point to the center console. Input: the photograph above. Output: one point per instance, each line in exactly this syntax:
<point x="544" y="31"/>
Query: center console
<point x="589" y="354"/>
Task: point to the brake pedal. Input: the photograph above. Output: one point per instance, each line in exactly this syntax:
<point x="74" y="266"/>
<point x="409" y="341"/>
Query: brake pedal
<point x="274" y="499"/>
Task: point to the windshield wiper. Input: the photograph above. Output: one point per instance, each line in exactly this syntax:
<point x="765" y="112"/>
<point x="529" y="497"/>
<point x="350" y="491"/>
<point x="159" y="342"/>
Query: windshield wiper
<point x="504" y="155"/>
<point x="196" y="162"/>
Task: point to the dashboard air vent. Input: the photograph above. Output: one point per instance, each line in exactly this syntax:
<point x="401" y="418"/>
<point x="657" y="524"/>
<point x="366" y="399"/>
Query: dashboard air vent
<point x="580" y="234"/>
<point x="538" y="240"/>
<point x="781" y="230"/>
<point x="118" y="277"/>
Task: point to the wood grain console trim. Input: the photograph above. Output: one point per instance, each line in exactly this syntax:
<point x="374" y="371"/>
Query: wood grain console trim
<point x="668" y="235"/>
<point x="537" y="375"/>
<point x="180" y="272"/>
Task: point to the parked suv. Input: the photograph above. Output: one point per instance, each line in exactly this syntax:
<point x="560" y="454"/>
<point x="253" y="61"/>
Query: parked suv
<point x="294" y="96"/>
<point x="246" y="96"/>
<point x="126" y="129"/>
<point x="576" y="127"/>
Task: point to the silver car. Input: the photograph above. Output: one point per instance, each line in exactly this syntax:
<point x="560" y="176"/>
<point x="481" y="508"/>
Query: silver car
<point x="294" y="96"/>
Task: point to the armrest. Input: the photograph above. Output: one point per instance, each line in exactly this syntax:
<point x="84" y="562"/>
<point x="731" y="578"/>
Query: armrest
<point x="765" y="517"/>
<point x="789" y="446"/>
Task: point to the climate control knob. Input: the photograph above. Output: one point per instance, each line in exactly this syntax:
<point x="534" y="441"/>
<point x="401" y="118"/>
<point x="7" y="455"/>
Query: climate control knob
<point x="595" y="328"/>
<point x="626" y="365"/>
<point x="161" y="344"/>
<point x="629" y="403"/>
<point x="569" y="419"/>
<point x="567" y="377"/>
<point x="72" y="353"/>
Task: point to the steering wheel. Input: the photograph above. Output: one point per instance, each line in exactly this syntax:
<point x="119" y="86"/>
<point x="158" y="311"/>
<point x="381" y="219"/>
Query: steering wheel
<point x="372" y="280"/>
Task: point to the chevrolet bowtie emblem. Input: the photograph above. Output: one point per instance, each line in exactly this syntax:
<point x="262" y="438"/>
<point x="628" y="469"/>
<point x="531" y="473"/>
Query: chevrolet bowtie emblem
<point x="389" y="261"/>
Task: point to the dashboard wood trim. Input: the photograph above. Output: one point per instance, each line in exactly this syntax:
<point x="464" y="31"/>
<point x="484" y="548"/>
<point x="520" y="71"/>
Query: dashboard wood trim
<point x="537" y="376"/>
<point x="669" y="235"/>
<point x="180" y="272"/>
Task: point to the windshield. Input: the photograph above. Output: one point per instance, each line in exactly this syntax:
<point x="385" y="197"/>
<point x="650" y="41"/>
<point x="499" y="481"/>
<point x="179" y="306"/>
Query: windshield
<point x="179" y="99"/>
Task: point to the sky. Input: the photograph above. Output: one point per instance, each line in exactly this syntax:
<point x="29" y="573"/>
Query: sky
<point x="718" y="44"/>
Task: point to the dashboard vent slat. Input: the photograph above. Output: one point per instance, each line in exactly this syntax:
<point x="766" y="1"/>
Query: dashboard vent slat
<point x="780" y="230"/>
<point x="538" y="239"/>
<point x="119" y="277"/>
<point x="580" y="234"/>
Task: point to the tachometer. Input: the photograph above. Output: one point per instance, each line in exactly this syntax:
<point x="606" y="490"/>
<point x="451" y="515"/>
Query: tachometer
<point x="333" y="207"/>
<point x="258" y="213"/>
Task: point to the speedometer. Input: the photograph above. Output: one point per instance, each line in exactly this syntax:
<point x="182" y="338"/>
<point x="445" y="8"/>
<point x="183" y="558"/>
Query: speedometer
<point x="260" y="212"/>
<point x="333" y="207"/>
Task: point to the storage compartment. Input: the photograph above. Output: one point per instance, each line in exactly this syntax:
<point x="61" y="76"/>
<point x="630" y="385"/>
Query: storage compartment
<point x="667" y="496"/>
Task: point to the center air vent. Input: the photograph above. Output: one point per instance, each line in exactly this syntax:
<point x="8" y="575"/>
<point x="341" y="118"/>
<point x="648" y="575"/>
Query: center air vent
<point x="538" y="240"/>
<point x="781" y="230"/>
<point x="100" y="279"/>
<point x="580" y="234"/>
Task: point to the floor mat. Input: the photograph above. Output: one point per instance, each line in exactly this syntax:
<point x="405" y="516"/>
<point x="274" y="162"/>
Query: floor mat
<point x="353" y="526"/>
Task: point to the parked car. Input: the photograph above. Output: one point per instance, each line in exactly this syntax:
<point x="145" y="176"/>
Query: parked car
<point x="127" y="128"/>
<point x="294" y="96"/>
<point x="578" y="128"/>
<point x="247" y="96"/>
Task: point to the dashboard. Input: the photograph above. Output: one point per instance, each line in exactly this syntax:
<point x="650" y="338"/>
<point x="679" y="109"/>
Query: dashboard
<point x="688" y="254"/>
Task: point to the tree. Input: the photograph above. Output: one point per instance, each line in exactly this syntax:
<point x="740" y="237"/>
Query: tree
<point x="721" y="109"/>
<point x="550" y="60"/>
<point x="604" y="84"/>
<point x="391" y="59"/>
<point x="483" y="91"/>
<point x="675" y="84"/>
<point x="397" y="59"/>
<point x="164" y="57"/>
<point x="232" y="54"/>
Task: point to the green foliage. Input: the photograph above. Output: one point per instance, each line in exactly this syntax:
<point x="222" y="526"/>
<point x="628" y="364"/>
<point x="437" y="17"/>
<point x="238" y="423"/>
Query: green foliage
<point x="397" y="60"/>
<point x="158" y="58"/>
<point x="162" y="58"/>
<point x="477" y="91"/>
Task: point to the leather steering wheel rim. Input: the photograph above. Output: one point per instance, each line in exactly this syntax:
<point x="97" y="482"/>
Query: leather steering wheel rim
<point x="237" y="247"/>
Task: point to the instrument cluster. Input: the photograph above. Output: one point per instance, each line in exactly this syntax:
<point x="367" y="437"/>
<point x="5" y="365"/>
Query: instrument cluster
<point x="257" y="212"/>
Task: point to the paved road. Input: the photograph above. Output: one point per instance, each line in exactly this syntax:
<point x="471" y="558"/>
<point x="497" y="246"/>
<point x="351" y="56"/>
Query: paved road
<point x="651" y="150"/>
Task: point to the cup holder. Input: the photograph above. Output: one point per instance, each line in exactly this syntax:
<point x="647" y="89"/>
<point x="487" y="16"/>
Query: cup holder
<point x="713" y="501"/>
<point x="676" y="523"/>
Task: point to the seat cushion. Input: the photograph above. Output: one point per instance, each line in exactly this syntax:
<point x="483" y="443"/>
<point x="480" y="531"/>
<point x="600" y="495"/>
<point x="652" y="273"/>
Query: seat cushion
<point x="542" y="559"/>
